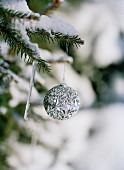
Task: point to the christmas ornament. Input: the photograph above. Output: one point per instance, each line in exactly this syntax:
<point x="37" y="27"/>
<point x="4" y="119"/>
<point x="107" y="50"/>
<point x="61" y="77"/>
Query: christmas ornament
<point x="61" y="102"/>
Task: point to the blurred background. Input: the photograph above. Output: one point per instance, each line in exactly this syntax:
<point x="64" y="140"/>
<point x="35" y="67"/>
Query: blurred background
<point x="94" y="138"/>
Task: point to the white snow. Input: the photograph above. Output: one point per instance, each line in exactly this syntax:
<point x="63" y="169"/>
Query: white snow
<point x="45" y="22"/>
<point x="21" y="29"/>
<point x="51" y="24"/>
<point x="18" y="5"/>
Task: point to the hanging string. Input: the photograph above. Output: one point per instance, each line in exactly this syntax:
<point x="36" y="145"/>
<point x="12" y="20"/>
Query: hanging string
<point x="34" y="64"/>
<point x="65" y="65"/>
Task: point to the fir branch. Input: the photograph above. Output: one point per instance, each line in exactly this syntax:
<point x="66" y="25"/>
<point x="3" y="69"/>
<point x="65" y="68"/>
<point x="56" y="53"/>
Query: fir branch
<point x="14" y="39"/>
<point x="56" y="36"/>
<point x="5" y="12"/>
<point x="74" y="39"/>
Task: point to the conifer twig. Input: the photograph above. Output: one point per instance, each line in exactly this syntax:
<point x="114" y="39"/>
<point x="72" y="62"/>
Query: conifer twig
<point x="56" y="36"/>
<point x="16" y="42"/>
<point x="18" y="14"/>
<point x="34" y="64"/>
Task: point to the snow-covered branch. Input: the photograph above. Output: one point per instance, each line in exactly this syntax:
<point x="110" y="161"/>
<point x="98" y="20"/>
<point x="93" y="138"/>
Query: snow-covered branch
<point x="20" y="22"/>
<point x="5" y="12"/>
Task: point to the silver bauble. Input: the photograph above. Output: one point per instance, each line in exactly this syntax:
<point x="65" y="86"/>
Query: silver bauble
<point x="61" y="102"/>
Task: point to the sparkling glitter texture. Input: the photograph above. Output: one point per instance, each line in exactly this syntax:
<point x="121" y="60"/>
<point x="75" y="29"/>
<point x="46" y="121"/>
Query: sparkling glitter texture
<point x="61" y="102"/>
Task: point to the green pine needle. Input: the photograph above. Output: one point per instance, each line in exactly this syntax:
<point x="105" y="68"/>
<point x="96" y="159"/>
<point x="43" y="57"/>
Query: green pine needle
<point x="56" y="36"/>
<point x="14" y="39"/>
<point x="17" y="14"/>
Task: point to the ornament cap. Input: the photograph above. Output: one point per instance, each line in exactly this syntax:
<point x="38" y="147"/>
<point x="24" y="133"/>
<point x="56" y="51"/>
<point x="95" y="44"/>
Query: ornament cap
<point x="63" y="84"/>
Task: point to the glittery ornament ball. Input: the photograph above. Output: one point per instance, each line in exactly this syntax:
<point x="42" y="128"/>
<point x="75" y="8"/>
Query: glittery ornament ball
<point x="61" y="102"/>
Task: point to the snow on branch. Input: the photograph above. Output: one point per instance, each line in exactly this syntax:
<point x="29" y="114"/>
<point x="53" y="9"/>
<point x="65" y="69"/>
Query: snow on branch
<point x="20" y="22"/>
<point x="45" y="26"/>
<point x="54" y="29"/>
<point x="18" y="14"/>
<point x="19" y="41"/>
<point x="16" y="5"/>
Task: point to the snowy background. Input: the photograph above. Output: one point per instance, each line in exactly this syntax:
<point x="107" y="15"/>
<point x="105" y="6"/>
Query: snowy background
<point x="94" y="138"/>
